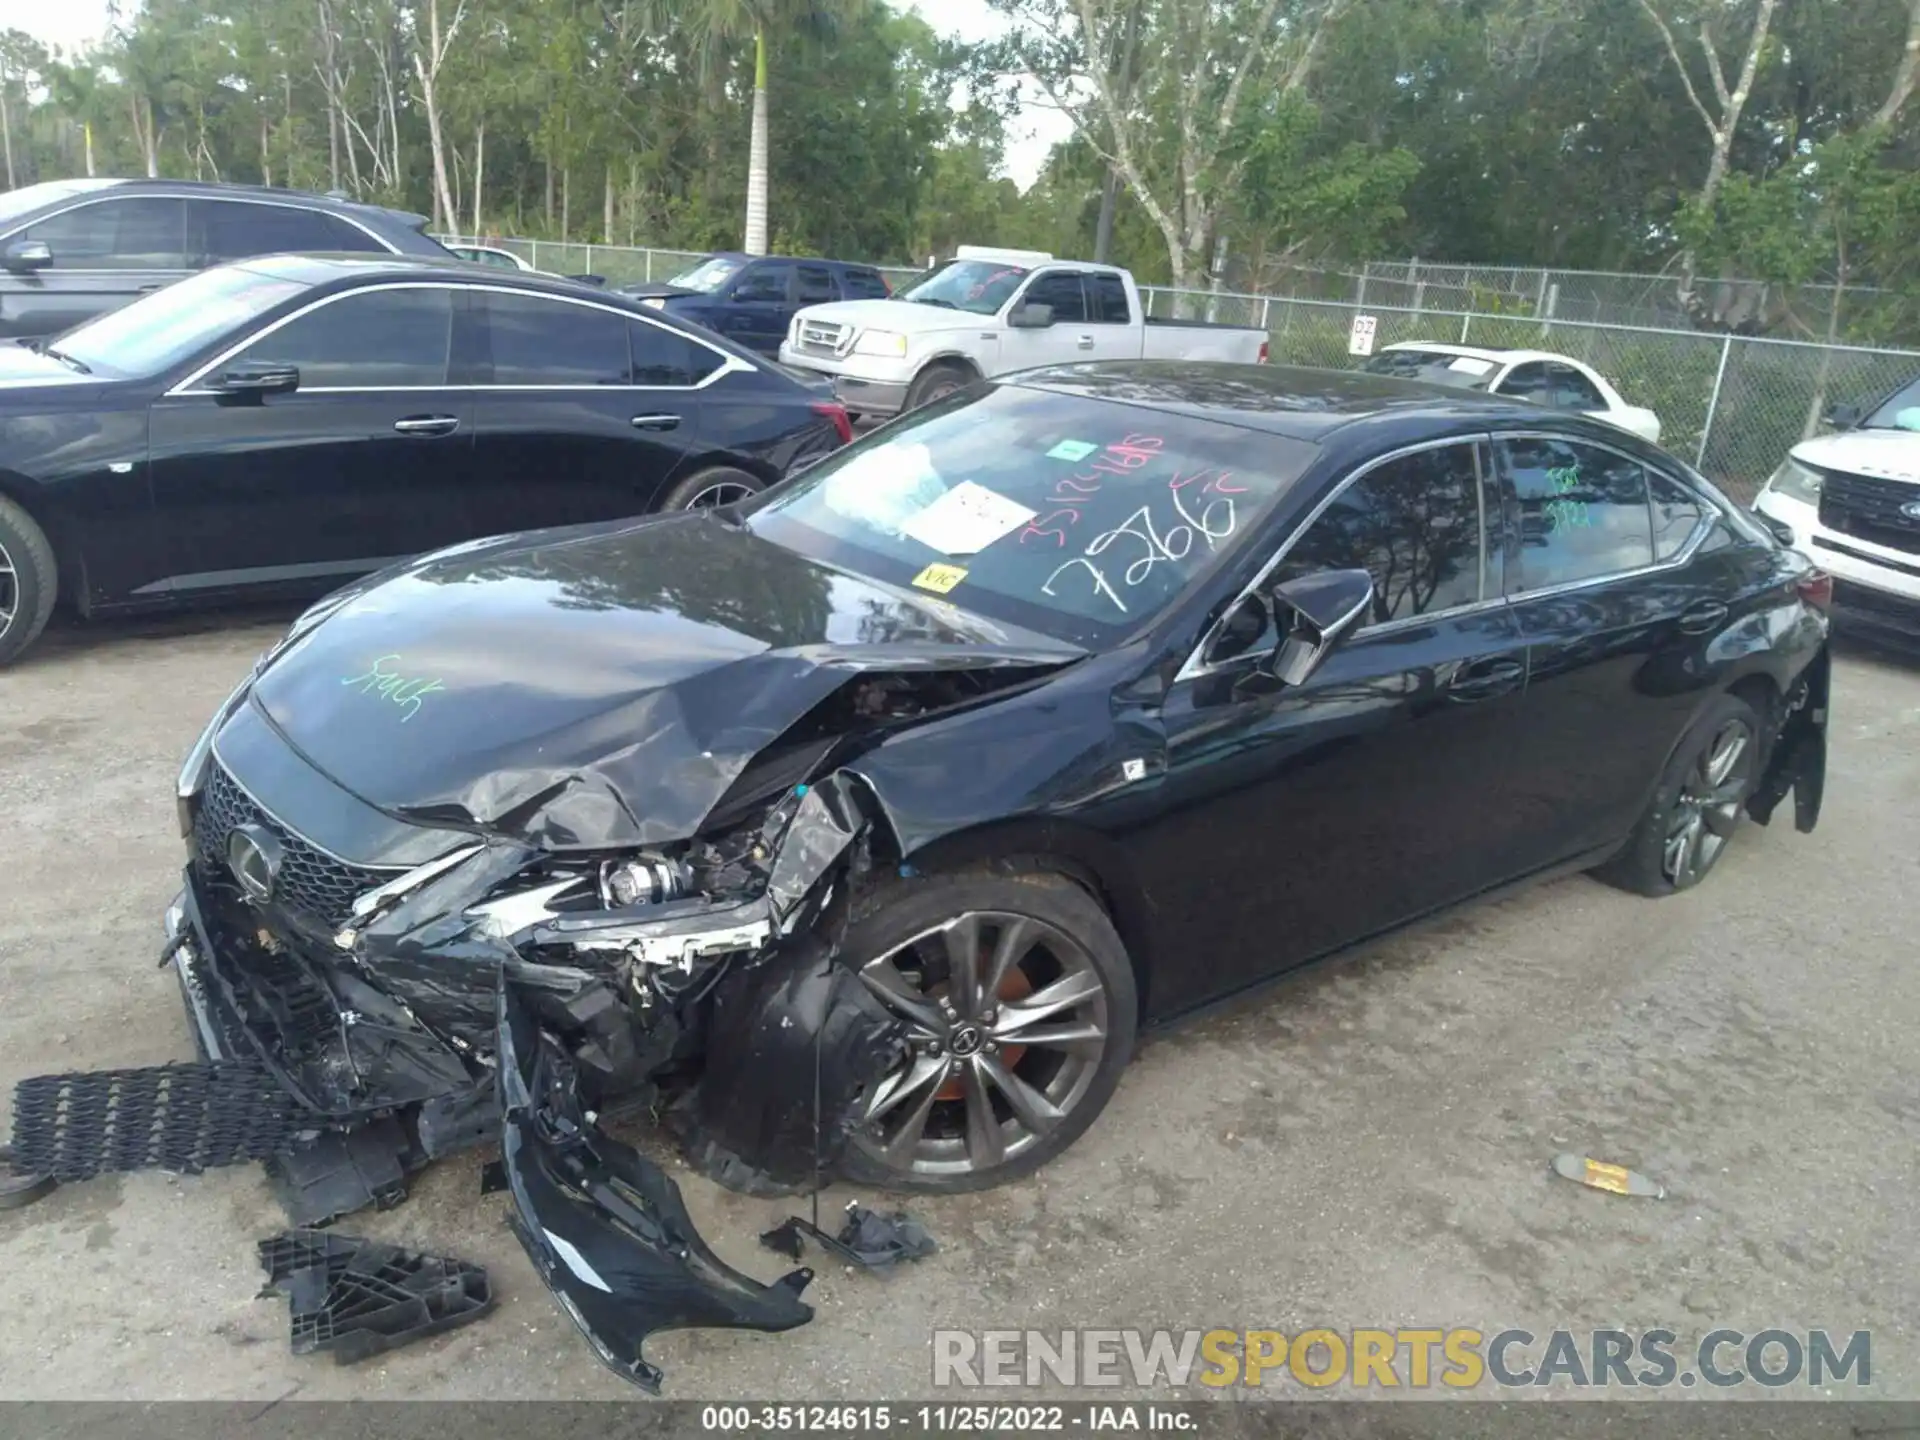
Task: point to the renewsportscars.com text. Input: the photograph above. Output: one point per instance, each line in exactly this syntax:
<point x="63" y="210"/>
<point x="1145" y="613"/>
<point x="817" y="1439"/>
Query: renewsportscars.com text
<point x="1414" y="1359"/>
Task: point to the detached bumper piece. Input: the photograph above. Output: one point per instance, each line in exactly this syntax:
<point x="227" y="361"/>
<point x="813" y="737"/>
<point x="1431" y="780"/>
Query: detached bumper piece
<point x="359" y="1298"/>
<point x="606" y="1228"/>
<point x="184" y="1118"/>
<point x="1798" y="766"/>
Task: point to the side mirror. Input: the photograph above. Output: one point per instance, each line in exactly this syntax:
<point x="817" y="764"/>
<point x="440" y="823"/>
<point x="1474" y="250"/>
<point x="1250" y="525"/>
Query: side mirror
<point x="258" y="381"/>
<point x="22" y="257"/>
<point x="1322" y="609"/>
<point x="1030" y="317"/>
<point x="1843" y="416"/>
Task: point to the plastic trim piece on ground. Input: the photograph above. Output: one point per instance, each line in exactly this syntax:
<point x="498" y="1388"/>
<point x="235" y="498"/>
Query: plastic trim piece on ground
<point x="868" y="1238"/>
<point x="359" y="1298"/>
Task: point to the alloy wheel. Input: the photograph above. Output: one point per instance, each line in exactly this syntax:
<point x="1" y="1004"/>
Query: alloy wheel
<point x="721" y="492"/>
<point x="1006" y="1021"/>
<point x="1707" y="811"/>
<point x="9" y="592"/>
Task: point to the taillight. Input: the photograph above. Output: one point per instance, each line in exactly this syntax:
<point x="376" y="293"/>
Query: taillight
<point x="1265" y="347"/>
<point x="1816" y="588"/>
<point x="837" y="413"/>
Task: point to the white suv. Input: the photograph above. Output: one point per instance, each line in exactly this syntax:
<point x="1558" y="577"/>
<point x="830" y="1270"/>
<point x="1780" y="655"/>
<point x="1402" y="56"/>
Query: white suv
<point x="1852" y="500"/>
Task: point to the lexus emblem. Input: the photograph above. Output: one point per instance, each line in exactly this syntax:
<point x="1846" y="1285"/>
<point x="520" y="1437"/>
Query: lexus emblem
<point x="1911" y="509"/>
<point x="253" y="855"/>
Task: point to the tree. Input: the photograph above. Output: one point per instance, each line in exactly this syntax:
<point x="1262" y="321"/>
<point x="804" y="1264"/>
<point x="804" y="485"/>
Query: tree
<point x="1170" y="134"/>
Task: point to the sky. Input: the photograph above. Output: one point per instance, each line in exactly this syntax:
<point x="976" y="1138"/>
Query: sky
<point x="72" y="24"/>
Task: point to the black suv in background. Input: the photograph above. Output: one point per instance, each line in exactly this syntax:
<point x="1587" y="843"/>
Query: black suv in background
<point x="752" y="299"/>
<point x="70" y="249"/>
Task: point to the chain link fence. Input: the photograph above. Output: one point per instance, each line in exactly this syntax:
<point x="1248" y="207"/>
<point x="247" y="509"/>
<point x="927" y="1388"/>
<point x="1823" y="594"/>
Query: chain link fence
<point x="1731" y="404"/>
<point x="1734" y="405"/>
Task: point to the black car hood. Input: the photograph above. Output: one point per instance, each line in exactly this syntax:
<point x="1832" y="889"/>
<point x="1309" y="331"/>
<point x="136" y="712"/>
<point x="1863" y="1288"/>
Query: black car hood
<point x="20" y="365"/>
<point x="600" y="687"/>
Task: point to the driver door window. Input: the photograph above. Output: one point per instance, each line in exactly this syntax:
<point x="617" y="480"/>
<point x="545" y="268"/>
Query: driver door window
<point x="1069" y="338"/>
<point x="1573" y="391"/>
<point x="375" y="339"/>
<point x="1061" y="290"/>
<point x="1413" y="524"/>
<point x="764" y="284"/>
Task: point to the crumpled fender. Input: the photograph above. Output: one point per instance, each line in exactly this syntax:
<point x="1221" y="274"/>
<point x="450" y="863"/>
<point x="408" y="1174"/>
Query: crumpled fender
<point x="606" y="1228"/>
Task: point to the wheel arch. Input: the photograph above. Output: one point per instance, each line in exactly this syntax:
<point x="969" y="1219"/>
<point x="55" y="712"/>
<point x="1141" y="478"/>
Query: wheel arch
<point x="69" y="561"/>
<point x="1077" y="853"/>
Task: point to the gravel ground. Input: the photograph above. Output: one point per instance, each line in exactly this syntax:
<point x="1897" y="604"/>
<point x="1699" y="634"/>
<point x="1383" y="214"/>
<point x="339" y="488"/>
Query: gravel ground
<point x="1365" y="1145"/>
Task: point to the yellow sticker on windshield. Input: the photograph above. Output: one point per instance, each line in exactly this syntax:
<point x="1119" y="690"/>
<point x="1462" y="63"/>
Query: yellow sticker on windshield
<point x="940" y="578"/>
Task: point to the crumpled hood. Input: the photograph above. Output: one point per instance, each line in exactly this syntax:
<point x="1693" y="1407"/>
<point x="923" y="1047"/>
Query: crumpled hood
<point x="598" y="687"/>
<point x="1887" y="454"/>
<point x="903" y="317"/>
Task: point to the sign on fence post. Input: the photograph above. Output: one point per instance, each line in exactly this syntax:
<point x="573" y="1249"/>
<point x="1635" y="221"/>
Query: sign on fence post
<point x="1360" y="338"/>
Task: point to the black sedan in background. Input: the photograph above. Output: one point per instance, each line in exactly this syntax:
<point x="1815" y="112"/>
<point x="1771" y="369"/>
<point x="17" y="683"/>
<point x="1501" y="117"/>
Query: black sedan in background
<point x="288" y="423"/>
<point x="70" y="249"/>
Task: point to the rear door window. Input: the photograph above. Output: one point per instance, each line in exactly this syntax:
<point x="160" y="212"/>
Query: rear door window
<point x="1574" y="391"/>
<point x="139" y="232"/>
<point x="667" y="358"/>
<point x="814" y="284"/>
<point x="1583" y="512"/>
<point x="221" y="230"/>
<point x="1529" y="382"/>
<point x="373" y="339"/>
<point x="862" y="284"/>
<point x="765" y="283"/>
<point x="538" y="341"/>
<point x="1677" y="513"/>
<point x="1107" y="300"/>
<point x="1413" y="524"/>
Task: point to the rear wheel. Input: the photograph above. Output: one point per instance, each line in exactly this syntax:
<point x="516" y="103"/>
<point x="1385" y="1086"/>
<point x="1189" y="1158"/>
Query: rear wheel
<point x="1698" y="806"/>
<point x="937" y="381"/>
<point x="1020" y="1011"/>
<point x="28" y="580"/>
<point x="717" y="485"/>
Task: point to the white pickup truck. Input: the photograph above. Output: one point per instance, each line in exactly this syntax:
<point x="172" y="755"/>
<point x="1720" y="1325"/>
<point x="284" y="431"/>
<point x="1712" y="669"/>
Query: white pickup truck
<point x="990" y="312"/>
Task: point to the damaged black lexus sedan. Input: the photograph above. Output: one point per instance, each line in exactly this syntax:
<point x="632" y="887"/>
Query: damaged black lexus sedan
<point x="859" y="828"/>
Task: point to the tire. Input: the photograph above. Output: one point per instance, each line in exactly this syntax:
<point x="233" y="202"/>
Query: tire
<point x="17" y="1191"/>
<point x="937" y="381"/>
<point x="716" y="485"/>
<point x="1693" y="816"/>
<point x="29" y="580"/>
<point x="924" y="1135"/>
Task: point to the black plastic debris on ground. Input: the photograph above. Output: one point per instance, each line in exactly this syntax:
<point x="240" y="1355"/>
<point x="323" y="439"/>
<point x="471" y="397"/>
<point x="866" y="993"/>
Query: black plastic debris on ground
<point x="868" y="1238"/>
<point x="185" y="1118"/>
<point x="319" y="1178"/>
<point x="20" y="1188"/>
<point x="359" y="1298"/>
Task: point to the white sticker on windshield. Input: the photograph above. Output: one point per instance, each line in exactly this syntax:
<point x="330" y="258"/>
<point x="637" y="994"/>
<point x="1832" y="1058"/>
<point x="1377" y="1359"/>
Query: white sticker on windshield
<point x="1467" y="365"/>
<point x="885" y="488"/>
<point x="966" y="520"/>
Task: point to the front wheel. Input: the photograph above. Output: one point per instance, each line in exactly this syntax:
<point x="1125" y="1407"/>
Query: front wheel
<point x="1698" y="805"/>
<point x="1020" y="1008"/>
<point x="936" y="382"/>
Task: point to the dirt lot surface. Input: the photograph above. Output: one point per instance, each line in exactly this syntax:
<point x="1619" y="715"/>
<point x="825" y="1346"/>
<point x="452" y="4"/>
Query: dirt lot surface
<point x="1366" y="1145"/>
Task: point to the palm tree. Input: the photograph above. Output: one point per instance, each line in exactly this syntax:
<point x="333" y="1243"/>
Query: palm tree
<point x="716" y="25"/>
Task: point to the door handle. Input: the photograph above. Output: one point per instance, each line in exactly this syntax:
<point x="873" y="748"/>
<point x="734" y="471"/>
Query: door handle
<point x="655" y="422"/>
<point x="428" y="425"/>
<point x="1707" y="615"/>
<point x="1085" y="342"/>
<point x="1483" y="681"/>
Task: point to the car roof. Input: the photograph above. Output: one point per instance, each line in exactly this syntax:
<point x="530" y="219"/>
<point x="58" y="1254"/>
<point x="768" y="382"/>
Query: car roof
<point x="217" y="189"/>
<point x="742" y="256"/>
<point x="1491" y="354"/>
<point x="1292" y="401"/>
<point x="321" y="270"/>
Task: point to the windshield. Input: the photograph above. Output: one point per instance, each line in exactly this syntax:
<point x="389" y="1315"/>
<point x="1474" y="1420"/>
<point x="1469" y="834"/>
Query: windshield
<point x="981" y="286"/>
<point x="164" y="328"/>
<point x="1082" y="519"/>
<point x="709" y="275"/>
<point x="1436" y="367"/>
<point x="1901" y="410"/>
